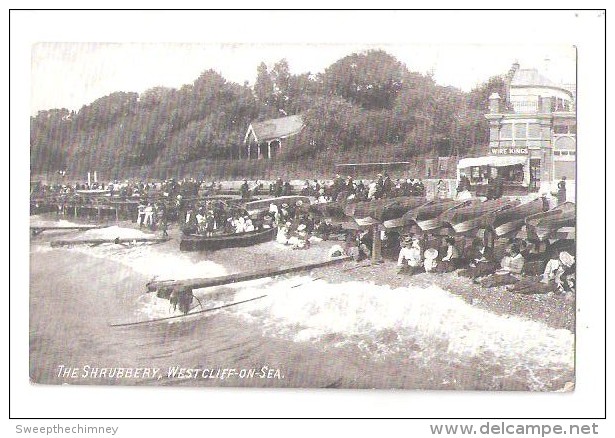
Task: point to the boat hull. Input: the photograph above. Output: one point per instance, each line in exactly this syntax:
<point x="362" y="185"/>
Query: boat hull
<point x="543" y="226"/>
<point x="426" y="216"/>
<point x="254" y="208"/>
<point x="201" y="243"/>
<point x="512" y="220"/>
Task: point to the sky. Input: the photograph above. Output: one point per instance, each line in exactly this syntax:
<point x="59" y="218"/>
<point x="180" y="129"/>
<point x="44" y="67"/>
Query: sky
<point x="70" y="75"/>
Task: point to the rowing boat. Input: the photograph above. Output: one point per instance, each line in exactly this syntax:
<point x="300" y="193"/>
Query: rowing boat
<point x="255" y="208"/>
<point x="474" y="215"/>
<point x="197" y="242"/>
<point x="511" y="220"/>
<point x="428" y="215"/>
<point x="392" y="214"/>
<point x="364" y="213"/>
<point x="542" y="226"/>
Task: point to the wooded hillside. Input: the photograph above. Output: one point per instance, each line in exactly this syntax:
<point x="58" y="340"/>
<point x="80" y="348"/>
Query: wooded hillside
<point x="366" y="105"/>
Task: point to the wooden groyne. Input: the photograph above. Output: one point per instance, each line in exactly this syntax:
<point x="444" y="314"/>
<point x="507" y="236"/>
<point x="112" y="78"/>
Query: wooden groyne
<point x="198" y="283"/>
<point x="37" y="229"/>
<point x="117" y="240"/>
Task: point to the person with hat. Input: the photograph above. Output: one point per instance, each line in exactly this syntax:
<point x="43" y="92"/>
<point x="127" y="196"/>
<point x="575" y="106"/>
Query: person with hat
<point x="430" y="262"/>
<point x="300" y="238"/>
<point x="450" y="260"/>
<point x="441" y="190"/>
<point x="511" y="268"/>
<point x="283" y="230"/>
<point x="409" y="259"/>
<point x="554" y="279"/>
<point x="141" y="214"/>
<point x="482" y="261"/>
<point x="248" y="225"/>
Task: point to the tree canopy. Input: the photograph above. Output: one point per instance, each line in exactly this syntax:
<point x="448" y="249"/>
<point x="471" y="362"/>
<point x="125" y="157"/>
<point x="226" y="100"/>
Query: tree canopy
<point x="361" y="102"/>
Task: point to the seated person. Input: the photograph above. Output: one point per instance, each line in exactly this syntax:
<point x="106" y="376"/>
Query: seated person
<point x="283" y="233"/>
<point x="336" y="251"/>
<point x="511" y="267"/>
<point x="268" y="221"/>
<point x="450" y="260"/>
<point x="554" y="278"/>
<point x="409" y="259"/>
<point x="300" y="238"/>
<point x="248" y="225"/>
<point x="240" y="225"/>
<point x="482" y="262"/>
<point x="431" y="259"/>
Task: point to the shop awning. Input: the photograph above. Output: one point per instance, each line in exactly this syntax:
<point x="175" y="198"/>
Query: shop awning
<point x="492" y="160"/>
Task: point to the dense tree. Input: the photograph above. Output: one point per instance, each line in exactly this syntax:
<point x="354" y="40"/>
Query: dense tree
<point x="371" y="80"/>
<point x="364" y="103"/>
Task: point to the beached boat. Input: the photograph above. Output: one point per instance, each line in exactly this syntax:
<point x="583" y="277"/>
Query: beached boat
<point x="475" y="215"/>
<point x="364" y="213"/>
<point x="261" y="206"/>
<point x="511" y="220"/>
<point x="392" y="214"/>
<point x="196" y="242"/>
<point x="542" y="226"/>
<point x="427" y="216"/>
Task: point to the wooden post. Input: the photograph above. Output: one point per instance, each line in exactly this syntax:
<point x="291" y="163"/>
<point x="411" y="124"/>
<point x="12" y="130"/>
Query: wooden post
<point x="269" y="150"/>
<point x="117" y="217"/>
<point x="377" y="245"/>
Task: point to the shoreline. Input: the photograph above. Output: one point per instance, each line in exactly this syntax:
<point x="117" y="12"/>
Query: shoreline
<point x="556" y="311"/>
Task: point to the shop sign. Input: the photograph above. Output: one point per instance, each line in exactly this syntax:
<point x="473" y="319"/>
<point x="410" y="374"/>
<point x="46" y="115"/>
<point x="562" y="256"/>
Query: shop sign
<point x="509" y="151"/>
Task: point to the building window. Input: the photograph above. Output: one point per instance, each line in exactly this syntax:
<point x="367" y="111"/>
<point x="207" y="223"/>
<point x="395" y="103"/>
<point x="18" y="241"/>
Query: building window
<point x="565" y="129"/>
<point x="506" y="131"/>
<point x="520" y="130"/>
<point x="556" y="153"/>
<point x="534" y="130"/>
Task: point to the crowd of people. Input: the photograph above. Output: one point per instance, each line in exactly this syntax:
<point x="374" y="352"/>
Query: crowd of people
<point x="382" y="187"/>
<point x="479" y="264"/>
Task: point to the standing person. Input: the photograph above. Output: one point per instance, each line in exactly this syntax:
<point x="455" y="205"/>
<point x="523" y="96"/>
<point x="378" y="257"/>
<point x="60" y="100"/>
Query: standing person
<point x="141" y="214"/>
<point x="441" y="190"/>
<point x="210" y="223"/>
<point x="244" y="190"/>
<point x="287" y="191"/>
<point x="561" y="191"/>
<point x="279" y="187"/>
<point x="149" y="214"/>
<point x="162" y="217"/>
<point x="387" y="186"/>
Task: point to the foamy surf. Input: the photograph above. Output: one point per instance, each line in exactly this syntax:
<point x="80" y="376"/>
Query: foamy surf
<point x="423" y="323"/>
<point x="147" y="259"/>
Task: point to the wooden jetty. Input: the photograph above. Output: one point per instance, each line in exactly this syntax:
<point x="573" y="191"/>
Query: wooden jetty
<point x="117" y="240"/>
<point x="198" y="283"/>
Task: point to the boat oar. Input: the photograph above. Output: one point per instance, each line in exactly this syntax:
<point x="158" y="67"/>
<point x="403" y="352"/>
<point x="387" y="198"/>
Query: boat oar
<point x="127" y="324"/>
<point x="199" y="301"/>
